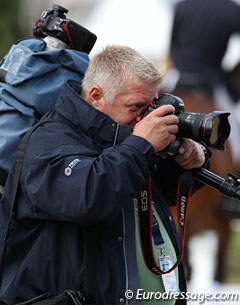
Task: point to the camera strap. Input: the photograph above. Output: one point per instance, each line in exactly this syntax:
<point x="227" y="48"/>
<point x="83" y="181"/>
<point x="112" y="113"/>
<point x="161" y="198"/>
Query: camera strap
<point x="184" y="191"/>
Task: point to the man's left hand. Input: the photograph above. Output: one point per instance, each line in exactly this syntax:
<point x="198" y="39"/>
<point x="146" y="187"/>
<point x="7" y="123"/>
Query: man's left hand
<point x="191" y="155"/>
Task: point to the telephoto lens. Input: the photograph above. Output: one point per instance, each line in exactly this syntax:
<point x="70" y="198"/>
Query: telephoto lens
<point x="211" y="129"/>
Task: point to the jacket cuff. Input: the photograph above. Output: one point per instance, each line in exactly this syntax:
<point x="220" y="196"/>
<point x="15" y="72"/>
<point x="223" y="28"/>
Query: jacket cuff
<point x="140" y="144"/>
<point x="207" y="154"/>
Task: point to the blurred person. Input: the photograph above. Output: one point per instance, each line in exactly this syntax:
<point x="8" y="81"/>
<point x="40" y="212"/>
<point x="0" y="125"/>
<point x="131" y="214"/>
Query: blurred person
<point x="89" y="175"/>
<point x="200" y="35"/>
<point x="227" y="98"/>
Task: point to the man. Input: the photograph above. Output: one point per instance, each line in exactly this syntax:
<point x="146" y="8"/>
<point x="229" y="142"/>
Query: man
<point x="199" y="41"/>
<point x="86" y="171"/>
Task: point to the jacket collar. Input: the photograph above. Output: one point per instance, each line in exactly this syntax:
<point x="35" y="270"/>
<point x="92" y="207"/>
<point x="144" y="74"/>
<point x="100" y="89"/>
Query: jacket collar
<point x="102" y="129"/>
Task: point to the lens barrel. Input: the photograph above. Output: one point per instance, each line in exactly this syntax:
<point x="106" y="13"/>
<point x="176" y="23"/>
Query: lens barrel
<point x="212" y="129"/>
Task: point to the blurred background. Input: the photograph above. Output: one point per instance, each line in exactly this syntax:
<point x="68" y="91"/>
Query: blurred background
<point x="147" y="25"/>
<point x="144" y="24"/>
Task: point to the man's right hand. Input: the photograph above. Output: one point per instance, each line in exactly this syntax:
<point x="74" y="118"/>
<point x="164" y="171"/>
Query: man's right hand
<point x="159" y="127"/>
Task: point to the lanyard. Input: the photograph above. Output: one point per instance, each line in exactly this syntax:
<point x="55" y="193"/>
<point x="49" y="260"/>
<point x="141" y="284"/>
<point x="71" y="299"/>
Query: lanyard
<point x="184" y="191"/>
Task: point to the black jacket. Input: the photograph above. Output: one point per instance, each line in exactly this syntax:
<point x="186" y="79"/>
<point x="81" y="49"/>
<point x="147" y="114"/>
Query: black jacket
<point x="75" y="178"/>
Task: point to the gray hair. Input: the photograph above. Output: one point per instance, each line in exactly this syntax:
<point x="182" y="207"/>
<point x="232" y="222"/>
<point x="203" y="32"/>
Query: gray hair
<point x="115" y="67"/>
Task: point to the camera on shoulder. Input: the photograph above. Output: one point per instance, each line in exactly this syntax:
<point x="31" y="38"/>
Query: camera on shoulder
<point x="54" y="23"/>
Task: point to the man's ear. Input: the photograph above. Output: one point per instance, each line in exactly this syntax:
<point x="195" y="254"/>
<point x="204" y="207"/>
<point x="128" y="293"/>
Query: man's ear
<point x="95" y="96"/>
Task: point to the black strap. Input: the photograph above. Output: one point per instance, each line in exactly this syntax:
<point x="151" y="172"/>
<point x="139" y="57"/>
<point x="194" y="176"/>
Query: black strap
<point x="67" y="298"/>
<point x="91" y="237"/>
<point x="2" y="75"/>
<point x="17" y="168"/>
<point x="145" y="221"/>
<point x="3" y="177"/>
<point x="91" y="240"/>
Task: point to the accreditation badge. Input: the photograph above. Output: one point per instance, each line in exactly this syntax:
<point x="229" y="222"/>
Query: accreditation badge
<point x="169" y="279"/>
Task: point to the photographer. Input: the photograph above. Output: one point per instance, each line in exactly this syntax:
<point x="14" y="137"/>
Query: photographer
<point x="86" y="173"/>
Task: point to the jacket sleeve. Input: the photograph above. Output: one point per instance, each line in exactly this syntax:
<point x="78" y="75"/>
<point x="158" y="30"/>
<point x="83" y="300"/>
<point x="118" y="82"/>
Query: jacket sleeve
<point x="167" y="173"/>
<point x="85" y="188"/>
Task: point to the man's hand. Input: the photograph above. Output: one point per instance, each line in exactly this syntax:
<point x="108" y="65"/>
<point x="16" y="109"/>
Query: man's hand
<point x="190" y="155"/>
<point x="159" y="127"/>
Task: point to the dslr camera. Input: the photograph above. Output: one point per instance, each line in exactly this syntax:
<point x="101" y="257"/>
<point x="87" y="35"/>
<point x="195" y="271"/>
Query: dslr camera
<point x="211" y="129"/>
<point x="53" y="22"/>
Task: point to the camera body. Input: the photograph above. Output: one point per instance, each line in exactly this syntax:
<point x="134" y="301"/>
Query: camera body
<point x="211" y="129"/>
<point x="53" y="22"/>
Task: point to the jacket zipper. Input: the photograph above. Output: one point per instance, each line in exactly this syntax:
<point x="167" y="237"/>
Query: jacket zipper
<point x="124" y="254"/>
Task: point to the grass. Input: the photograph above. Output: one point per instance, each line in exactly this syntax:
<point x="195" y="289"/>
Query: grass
<point x="233" y="257"/>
